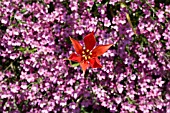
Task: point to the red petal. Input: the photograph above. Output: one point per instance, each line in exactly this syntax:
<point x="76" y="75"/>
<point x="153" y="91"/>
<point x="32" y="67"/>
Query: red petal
<point x="76" y="45"/>
<point x="75" y="57"/>
<point x="101" y="49"/>
<point x="95" y="63"/>
<point x="84" y="65"/>
<point x="90" y="41"/>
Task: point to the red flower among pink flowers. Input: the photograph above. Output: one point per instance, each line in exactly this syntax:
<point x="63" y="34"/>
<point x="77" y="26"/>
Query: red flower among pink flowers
<point x="88" y="55"/>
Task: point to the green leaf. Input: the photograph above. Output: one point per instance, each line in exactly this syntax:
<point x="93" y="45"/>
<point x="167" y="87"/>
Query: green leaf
<point x="75" y="64"/>
<point x="39" y="80"/>
<point x="33" y="50"/>
<point x="127" y="48"/>
<point x="27" y="49"/>
<point x="21" y="22"/>
<point x="22" y="49"/>
<point x="23" y="10"/>
<point x="130" y="101"/>
<point x="98" y="4"/>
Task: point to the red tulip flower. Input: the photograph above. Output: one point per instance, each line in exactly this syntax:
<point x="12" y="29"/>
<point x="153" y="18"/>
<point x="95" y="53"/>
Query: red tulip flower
<point x="88" y="55"/>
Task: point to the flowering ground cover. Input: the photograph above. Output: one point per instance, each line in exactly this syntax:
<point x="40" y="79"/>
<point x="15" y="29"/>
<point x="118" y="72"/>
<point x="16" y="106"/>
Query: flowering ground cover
<point x="36" y="75"/>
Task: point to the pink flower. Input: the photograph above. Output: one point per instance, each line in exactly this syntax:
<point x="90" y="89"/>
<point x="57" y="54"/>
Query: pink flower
<point x="118" y="100"/>
<point x="133" y="77"/>
<point x="120" y="88"/>
<point x="142" y="58"/>
<point x="160" y="15"/>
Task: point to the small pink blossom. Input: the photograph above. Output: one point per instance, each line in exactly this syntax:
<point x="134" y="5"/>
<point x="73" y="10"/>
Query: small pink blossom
<point x="120" y="88"/>
<point x="133" y="77"/>
<point x="142" y="58"/>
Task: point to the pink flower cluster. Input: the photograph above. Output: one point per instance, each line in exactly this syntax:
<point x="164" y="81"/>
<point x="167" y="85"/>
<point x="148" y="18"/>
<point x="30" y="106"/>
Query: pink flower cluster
<point x="36" y="77"/>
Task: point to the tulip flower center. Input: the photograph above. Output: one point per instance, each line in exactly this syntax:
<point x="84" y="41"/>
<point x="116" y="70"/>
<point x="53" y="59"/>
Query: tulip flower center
<point x="86" y="54"/>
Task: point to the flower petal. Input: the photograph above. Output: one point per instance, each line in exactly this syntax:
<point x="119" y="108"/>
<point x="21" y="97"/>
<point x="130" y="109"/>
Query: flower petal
<point x="75" y="57"/>
<point x="76" y="45"/>
<point x="84" y="65"/>
<point x="101" y="49"/>
<point x="95" y="63"/>
<point x="90" y="41"/>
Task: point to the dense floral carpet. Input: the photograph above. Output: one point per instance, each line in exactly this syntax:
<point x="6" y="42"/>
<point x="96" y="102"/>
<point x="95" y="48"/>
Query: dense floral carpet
<point x="37" y="76"/>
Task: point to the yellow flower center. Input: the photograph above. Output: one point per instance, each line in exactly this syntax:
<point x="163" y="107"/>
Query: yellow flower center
<point x="86" y="54"/>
